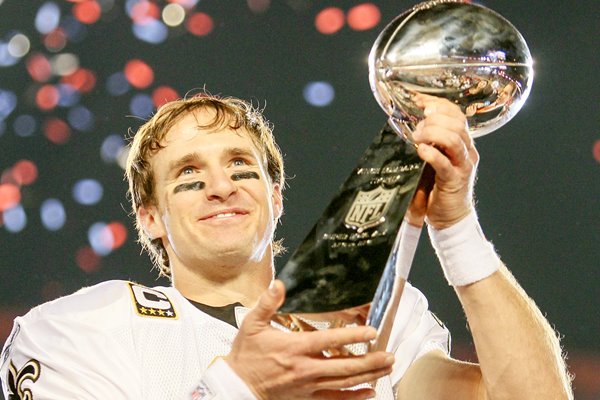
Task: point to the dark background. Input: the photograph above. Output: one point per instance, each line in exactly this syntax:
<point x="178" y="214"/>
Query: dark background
<point x="538" y="191"/>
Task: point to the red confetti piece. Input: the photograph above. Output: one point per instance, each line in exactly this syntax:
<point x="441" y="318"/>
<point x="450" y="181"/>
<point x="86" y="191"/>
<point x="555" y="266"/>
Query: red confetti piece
<point x="87" y="259"/>
<point x="119" y="234"/>
<point x="364" y="16"/>
<point x="55" y="40"/>
<point x="596" y="150"/>
<point x="25" y="172"/>
<point x="163" y="94"/>
<point x="39" y="67"/>
<point x="57" y="131"/>
<point x="329" y="20"/>
<point x="10" y="196"/>
<point x="143" y="11"/>
<point x="82" y="80"/>
<point x="139" y="74"/>
<point x="47" y="97"/>
<point x="87" y="12"/>
<point x="200" y="24"/>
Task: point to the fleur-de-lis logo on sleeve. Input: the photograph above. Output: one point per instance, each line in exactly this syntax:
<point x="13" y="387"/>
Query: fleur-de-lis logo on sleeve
<point x="30" y="371"/>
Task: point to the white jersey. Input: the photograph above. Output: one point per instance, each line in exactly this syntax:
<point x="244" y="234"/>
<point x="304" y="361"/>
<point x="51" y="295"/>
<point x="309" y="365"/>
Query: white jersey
<point x="120" y="340"/>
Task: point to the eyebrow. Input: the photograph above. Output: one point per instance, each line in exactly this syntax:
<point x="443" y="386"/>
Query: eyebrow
<point x="191" y="158"/>
<point x="239" y="151"/>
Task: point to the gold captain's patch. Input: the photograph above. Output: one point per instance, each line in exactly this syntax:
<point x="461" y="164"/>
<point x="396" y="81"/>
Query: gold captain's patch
<point x="151" y="302"/>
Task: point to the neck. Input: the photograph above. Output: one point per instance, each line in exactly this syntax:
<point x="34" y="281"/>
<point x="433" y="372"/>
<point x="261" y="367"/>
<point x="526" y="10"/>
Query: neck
<point x="219" y="285"/>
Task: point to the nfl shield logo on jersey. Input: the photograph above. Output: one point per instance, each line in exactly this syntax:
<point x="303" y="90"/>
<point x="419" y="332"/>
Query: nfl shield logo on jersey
<point x="369" y="208"/>
<point x="202" y="392"/>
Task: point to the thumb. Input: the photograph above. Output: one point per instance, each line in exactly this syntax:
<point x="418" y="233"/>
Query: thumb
<point x="268" y="304"/>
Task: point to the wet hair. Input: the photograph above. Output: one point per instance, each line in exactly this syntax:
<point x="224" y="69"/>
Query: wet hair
<point x="229" y="112"/>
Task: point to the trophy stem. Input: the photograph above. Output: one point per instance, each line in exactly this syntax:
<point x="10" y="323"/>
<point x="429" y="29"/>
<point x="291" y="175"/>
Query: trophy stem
<point x="340" y="263"/>
<point x="385" y="329"/>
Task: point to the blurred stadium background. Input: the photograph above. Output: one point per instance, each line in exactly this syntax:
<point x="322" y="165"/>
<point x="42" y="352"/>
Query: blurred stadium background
<point x="76" y="75"/>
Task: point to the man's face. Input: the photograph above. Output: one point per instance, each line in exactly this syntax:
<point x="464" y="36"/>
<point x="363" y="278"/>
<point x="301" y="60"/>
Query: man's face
<point x="215" y="203"/>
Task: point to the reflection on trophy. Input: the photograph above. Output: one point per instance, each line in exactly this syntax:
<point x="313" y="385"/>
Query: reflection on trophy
<point x="353" y="265"/>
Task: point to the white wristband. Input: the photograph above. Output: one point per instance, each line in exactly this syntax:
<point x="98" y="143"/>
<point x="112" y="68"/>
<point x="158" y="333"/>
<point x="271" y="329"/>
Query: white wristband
<point x="464" y="252"/>
<point x="220" y="382"/>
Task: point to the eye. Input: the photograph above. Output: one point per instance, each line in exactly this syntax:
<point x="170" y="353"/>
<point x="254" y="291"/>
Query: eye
<point x="187" y="171"/>
<point x="239" y="162"/>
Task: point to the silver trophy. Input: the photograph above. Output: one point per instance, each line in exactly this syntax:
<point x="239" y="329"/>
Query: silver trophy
<point x="353" y="265"/>
<point x="460" y="51"/>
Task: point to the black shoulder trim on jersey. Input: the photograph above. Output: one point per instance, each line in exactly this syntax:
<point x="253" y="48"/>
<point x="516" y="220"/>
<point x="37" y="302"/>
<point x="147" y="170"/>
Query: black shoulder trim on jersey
<point x="439" y="321"/>
<point x="30" y="371"/>
<point x="9" y="343"/>
<point x="150" y="302"/>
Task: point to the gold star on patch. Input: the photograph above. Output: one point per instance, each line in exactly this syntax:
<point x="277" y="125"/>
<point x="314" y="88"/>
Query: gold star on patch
<point x="150" y="302"/>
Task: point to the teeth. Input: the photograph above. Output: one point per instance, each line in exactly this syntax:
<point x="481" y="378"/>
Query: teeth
<point x="224" y="215"/>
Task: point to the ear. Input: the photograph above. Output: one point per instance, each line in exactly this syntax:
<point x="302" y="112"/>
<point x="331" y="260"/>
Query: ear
<point x="149" y="219"/>
<point x="277" y="201"/>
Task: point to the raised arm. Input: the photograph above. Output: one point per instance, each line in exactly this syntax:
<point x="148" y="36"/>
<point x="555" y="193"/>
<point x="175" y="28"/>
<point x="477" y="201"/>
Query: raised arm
<point x="518" y="351"/>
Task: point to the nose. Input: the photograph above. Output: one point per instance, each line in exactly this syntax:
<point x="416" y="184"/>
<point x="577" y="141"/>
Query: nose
<point x="219" y="185"/>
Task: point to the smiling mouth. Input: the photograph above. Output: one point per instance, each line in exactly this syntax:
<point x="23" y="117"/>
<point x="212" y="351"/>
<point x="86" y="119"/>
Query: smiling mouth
<point x="223" y="215"/>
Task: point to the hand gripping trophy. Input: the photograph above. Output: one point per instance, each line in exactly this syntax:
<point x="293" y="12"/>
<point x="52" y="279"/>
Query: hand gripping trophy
<point x="352" y="267"/>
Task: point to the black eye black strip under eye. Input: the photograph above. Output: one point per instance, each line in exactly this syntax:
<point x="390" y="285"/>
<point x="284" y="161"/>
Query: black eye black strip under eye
<point x="198" y="185"/>
<point x="244" y="175"/>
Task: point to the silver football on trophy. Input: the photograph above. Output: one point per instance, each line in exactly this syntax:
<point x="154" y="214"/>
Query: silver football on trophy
<point x="460" y="51"/>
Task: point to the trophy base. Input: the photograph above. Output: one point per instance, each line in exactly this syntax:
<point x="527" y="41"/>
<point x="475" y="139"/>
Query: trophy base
<point x="309" y="322"/>
<point x="350" y="317"/>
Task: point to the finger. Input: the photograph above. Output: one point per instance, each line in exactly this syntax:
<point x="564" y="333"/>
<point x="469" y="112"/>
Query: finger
<point x="345" y="382"/>
<point x="420" y="99"/>
<point x="431" y="104"/>
<point x="449" y="142"/>
<point x="457" y="124"/>
<point x="352" y="366"/>
<point x="268" y="304"/>
<point x="440" y="162"/>
<point x="448" y="115"/>
<point x="358" y="394"/>
<point x="318" y="341"/>
<point x="440" y="104"/>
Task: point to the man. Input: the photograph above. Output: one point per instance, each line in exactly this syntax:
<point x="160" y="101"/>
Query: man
<point x="205" y="180"/>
